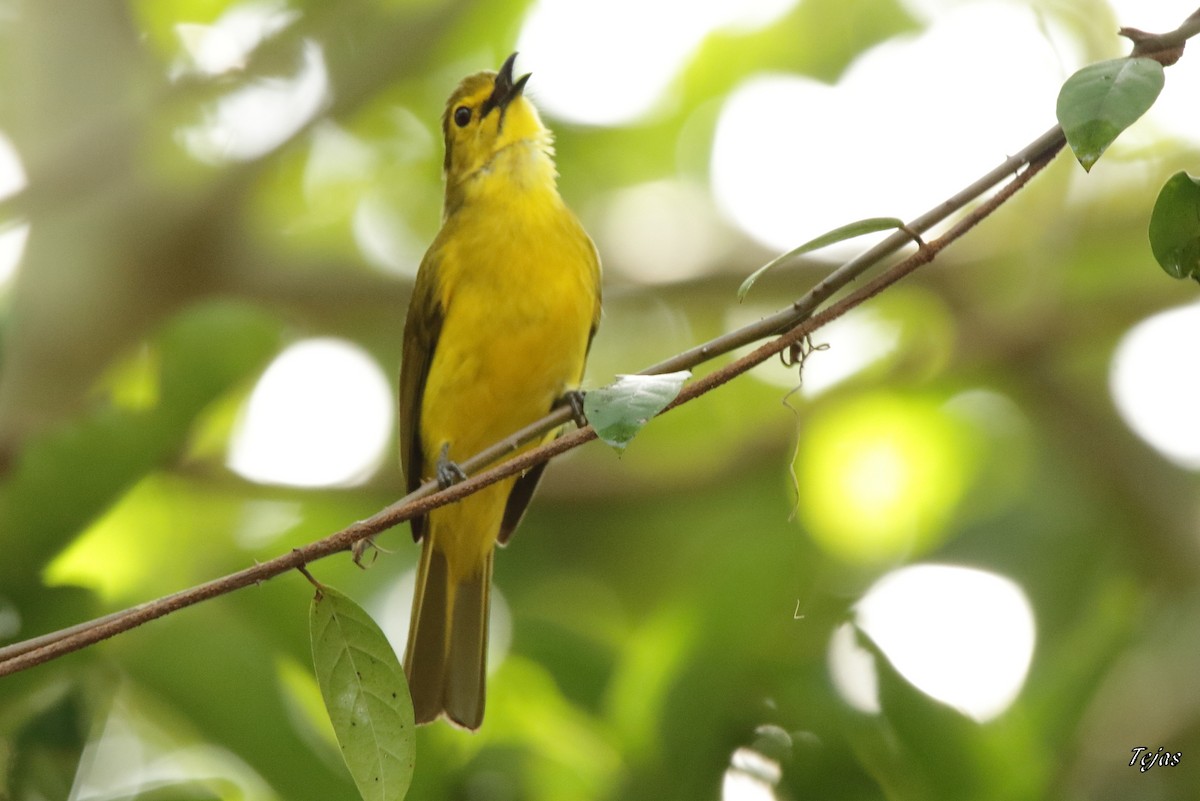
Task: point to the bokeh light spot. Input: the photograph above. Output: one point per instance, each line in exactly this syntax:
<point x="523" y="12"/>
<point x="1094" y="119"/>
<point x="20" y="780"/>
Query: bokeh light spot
<point x="321" y="415"/>
<point x="880" y="476"/>
<point x="226" y="45"/>
<point x="13" y="235"/>
<point x="580" y="78"/>
<point x="751" y="776"/>
<point x="662" y="231"/>
<point x="963" y="636"/>
<point x="254" y="119"/>
<point x="853" y="670"/>
<point x="856" y="341"/>
<point x="1156" y="386"/>
<point x="138" y="750"/>
<point x="793" y="157"/>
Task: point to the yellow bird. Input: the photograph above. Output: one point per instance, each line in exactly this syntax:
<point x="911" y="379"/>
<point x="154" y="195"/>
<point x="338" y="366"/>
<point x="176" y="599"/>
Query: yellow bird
<point x="502" y="315"/>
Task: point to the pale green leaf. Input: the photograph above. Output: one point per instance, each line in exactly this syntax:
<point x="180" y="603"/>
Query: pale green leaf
<point x="1101" y="100"/>
<point x="366" y="695"/>
<point x="620" y="410"/>
<point x="849" y="231"/>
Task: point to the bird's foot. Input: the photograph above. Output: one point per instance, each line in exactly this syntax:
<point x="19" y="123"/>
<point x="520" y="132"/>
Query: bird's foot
<point x="573" y="398"/>
<point x="448" y="472"/>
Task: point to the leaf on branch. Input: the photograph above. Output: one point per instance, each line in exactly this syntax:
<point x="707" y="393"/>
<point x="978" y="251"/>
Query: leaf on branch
<point x="1101" y="100"/>
<point x="365" y="694"/>
<point x="619" y="411"/>
<point x="1175" y="227"/>
<point x="849" y="231"/>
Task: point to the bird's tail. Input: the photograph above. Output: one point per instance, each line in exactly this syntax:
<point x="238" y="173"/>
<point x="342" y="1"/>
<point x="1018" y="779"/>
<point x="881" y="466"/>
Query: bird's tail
<point x="446" y="658"/>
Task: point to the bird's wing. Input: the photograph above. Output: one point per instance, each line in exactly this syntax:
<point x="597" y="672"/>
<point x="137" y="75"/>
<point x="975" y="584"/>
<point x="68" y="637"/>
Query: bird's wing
<point x="421" y="331"/>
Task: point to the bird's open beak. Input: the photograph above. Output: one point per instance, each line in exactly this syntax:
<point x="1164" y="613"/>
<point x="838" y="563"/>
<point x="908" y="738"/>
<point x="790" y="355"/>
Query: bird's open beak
<point x="506" y="89"/>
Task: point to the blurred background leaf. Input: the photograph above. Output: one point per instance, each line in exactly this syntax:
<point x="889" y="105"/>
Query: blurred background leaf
<point x="211" y="212"/>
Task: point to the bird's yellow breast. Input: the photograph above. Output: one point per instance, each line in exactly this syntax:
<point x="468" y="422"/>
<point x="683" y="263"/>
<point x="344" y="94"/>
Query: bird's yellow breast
<point x="518" y="293"/>
<point x="518" y="283"/>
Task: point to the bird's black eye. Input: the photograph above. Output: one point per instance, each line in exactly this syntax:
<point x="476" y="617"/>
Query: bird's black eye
<point x="462" y="115"/>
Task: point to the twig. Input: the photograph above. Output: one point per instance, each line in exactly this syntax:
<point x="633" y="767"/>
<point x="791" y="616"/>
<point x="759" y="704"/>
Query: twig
<point x="32" y="652"/>
<point x="893" y="274"/>
<point x="802" y="308"/>
<point x="1166" y="48"/>
<point x="796" y="322"/>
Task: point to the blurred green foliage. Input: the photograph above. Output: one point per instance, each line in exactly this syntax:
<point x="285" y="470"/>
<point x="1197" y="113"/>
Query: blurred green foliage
<point x="652" y="596"/>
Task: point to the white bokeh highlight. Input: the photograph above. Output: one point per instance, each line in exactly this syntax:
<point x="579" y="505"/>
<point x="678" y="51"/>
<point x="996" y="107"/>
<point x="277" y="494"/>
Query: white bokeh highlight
<point x="842" y="349"/>
<point x="910" y="122"/>
<point x="255" y="118"/>
<point x="226" y="45"/>
<point x="962" y="636"/>
<point x="1155" y="383"/>
<point x="750" y="777"/>
<point x="320" y="416"/>
<point x="856" y="341"/>
<point x="13" y="235"/>
<point x="582" y="77"/>
<point x="134" y="752"/>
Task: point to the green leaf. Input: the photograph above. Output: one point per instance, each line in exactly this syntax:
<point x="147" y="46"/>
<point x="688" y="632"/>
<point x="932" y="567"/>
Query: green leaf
<point x="849" y="231"/>
<point x="366" y="694"/>
<point x="620" y="410"/>
<point x="1175" y="227"/>
<point x="1101" y="100"/>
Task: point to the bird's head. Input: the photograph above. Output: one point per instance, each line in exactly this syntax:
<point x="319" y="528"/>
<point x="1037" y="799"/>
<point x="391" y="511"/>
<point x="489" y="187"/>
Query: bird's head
<point x="486" y="114"/>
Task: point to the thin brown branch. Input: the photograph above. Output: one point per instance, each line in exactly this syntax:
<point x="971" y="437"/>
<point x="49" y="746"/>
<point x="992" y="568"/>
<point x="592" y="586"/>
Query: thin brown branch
<point x="1166" y="48"/>
<point x="795" y="323"/>
<point x="802" y="308"/>
<point x="923" y="256"/>
<point x="33" y="652"/>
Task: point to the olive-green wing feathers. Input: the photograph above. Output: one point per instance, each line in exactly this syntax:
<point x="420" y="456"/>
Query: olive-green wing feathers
<point x="421" y="331"/>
